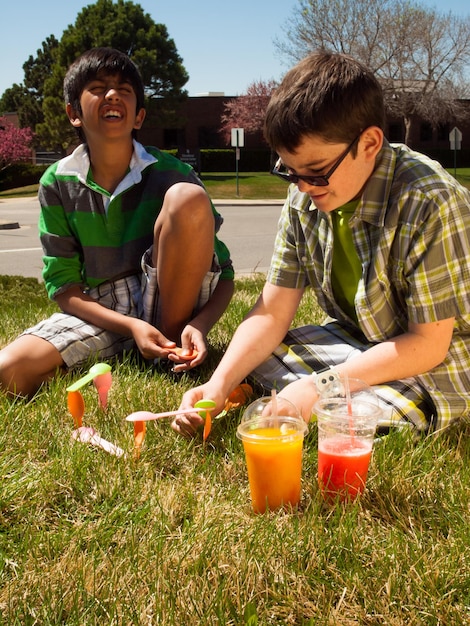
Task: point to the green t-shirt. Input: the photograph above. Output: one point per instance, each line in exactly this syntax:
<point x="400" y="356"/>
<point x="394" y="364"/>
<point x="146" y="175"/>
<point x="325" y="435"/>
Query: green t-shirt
<point x="346" y="269"/>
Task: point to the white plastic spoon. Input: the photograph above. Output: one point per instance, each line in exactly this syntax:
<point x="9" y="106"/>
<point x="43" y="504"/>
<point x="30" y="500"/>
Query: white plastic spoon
<point x="87" y="434"/>
<point x="146" y="416"/>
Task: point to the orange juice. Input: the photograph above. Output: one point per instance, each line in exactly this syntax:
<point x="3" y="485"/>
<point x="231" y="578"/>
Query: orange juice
<point x="274" y="462"/>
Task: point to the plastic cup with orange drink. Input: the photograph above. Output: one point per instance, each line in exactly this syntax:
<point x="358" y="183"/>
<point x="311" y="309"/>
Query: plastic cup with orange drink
<point x="272" y="432"/>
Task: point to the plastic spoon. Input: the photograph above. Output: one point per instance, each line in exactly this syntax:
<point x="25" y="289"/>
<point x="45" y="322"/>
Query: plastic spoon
<point x="147" y="416"/>
<point x="95" y="370"/>
<point x="76" y="406"/>
<point x="139" y="436"/>
<point x="103" y="383"/>
<point x="184" y="354"/>
<point x="86" y="434"/>
<point x="206" y="404"/>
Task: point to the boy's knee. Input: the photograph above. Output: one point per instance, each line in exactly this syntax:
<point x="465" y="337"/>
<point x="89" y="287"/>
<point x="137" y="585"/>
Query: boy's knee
<point x="26" y="363"/>
<point x="9" y="368"/>
<point x="188" y="202"/>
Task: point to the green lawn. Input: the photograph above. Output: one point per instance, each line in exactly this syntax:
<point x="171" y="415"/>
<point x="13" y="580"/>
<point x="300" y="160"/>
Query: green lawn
<point x="90" y="539"/>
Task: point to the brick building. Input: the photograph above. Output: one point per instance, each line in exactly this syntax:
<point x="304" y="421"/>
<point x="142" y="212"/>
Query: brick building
<point x="200" y="121"/>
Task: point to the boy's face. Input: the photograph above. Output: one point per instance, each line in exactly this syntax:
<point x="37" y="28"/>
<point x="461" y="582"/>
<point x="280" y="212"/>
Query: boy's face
<point x="108" y="106"/>
<point x="316" y="157"/>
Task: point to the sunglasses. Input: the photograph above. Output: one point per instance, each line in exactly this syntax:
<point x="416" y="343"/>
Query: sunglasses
<point x="318" y="181"/>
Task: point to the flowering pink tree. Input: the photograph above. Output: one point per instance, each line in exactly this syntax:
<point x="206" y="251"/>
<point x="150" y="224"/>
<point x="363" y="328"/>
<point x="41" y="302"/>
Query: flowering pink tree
<point x="15" y="143"/>
<point x="247" y="111"/>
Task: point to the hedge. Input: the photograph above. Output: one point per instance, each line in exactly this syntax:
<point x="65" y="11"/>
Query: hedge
<point x="20" y="175"/>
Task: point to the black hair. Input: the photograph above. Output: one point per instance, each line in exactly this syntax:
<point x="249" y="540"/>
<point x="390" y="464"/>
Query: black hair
<point x="105" y="62"/>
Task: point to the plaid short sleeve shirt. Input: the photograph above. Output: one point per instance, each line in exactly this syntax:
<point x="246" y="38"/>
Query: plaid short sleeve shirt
<point x="411" y="230"/>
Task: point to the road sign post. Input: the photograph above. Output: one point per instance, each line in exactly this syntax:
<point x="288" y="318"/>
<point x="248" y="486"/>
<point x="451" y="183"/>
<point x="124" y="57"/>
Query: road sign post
<point x="455" y="138"/>
<point x="238" y="141"/>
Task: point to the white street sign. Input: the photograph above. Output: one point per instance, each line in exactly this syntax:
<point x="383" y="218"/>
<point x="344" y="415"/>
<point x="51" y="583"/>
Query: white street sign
<point x="455" y="138"/>
<point x="238" y="137"/>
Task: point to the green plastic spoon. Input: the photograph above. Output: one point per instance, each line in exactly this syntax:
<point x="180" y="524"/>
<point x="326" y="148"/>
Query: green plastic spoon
<point x="95" y="370"/>
<point x="206" y="404"/>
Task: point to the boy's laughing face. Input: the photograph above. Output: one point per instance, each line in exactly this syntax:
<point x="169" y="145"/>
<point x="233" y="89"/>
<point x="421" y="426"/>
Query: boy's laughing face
<point x="108" y="106"/>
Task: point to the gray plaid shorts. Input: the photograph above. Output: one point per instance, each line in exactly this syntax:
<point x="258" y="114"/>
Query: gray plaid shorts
<point x="314" y="349"/>
<point x="135" y="296"/>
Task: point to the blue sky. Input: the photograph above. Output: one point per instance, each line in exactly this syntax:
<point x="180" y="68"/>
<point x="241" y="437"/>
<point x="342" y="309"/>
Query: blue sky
<point x="225" y="44"/>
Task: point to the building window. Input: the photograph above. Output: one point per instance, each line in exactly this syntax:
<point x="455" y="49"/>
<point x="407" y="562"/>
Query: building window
<point x="209" y="137"/>
<point x="425" y="131"/>
<point x="170" y="138"/>
<point x="395" y="133"/>
<point x="443" y="131"/>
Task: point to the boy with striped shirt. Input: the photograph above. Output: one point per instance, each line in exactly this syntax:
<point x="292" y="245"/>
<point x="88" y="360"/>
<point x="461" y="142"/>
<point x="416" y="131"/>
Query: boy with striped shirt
<point x="131" y="254"/>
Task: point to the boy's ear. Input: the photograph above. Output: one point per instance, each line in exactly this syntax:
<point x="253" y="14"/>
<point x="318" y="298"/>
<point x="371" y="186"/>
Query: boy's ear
<point x="372" y="141"/>
<point x="139" y="119"/>
<point x="73" y="116"/>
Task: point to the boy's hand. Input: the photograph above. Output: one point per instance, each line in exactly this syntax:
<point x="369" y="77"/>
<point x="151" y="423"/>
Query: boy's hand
<point x="192" y="341"/>
<point x="303" y="394"/>
<point x="188" y="424"/>
<point x="150" y="341"/>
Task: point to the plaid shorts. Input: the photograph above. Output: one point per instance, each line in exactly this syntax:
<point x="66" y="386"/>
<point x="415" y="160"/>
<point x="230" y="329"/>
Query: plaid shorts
<point x="313" y="349"/>
<point x="135" y="296"/>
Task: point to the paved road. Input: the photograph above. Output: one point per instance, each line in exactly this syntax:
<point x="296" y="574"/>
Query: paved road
<point x="249" y="229"/>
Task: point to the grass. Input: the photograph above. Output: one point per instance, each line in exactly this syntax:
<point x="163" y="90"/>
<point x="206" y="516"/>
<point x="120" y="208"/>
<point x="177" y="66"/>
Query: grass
<point x="89" y="539"/>
<point x="223" y="186"/>
<point x="251" y="186"/>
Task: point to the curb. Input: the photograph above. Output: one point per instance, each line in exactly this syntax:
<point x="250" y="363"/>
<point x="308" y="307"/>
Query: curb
<point x="226" y="201"/>
<point x="8" y="225"/>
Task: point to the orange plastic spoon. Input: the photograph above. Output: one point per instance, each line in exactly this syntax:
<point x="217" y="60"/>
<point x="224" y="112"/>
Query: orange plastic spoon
<point x="76" y="406"/>
<point x="139" y="436"/>
<point x="184" y="354"/>
<point x="239" y="396"/>
<point x="206" y="404"/>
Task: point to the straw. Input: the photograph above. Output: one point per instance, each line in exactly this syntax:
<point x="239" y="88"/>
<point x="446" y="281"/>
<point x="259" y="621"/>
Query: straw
<point x="348" y="394"/>
<point x="274" y="407"/>
<point x="347" y="390"/>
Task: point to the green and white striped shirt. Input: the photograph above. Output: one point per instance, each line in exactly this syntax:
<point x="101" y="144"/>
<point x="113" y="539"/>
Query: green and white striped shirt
<point x="411" y="230"/>
<point x="90" y="236"/>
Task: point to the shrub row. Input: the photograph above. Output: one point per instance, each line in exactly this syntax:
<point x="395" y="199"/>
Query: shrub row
<point x="251" y="160"/>
<point x="446" y="157"/>
<point x="20" y="175"/>
<point x="224" y="160"/>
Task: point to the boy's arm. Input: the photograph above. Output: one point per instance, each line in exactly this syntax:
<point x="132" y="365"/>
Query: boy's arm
<point x="150" y="341"/>
<point x="258" y="335"/>
<point x="415" y="352"/>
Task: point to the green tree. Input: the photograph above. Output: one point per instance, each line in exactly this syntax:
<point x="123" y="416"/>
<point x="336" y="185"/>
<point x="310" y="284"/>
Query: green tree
<point x="123" y="25"/>
<point x="419" y="54"/>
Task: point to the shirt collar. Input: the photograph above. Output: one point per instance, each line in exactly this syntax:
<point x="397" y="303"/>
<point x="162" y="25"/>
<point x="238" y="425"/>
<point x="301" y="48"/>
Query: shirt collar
<point x="78" y="164"/>
<point x="375" y="197"/>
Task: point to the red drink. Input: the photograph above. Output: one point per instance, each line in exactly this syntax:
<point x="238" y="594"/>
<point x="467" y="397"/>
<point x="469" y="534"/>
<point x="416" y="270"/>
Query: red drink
<point x="343" y="463"/>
